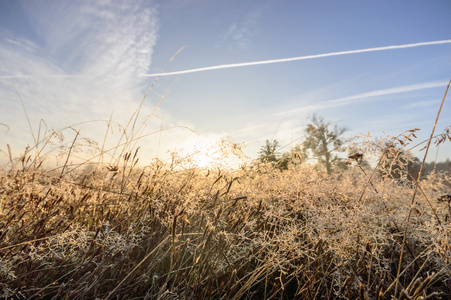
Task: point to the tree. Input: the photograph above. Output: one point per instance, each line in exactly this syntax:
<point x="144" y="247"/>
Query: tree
<point x="413" y="168"/>
<point x="294" y="157"/>
<point x="268" y="153"/>
<point x="414" y="165"/>
<point x="322" y="141"/>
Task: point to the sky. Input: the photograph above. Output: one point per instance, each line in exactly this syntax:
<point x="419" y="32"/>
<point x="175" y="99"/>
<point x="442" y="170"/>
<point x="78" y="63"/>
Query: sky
<point x="255" y="70"/>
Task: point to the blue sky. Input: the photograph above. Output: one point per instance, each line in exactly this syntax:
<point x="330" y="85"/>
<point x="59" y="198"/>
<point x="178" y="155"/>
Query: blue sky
<point x="77" y="61"/>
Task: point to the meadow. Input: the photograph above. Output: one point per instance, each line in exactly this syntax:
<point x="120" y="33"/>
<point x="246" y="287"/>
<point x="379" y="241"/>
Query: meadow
<point x="171" y="230"/>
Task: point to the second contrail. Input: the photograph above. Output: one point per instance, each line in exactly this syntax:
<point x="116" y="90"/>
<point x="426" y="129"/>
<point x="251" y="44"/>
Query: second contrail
<point x="273" y="61"/>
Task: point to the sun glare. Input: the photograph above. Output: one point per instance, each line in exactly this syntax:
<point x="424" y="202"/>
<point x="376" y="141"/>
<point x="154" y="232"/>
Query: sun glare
<point x="205" y="160"/>
<point x="209" y="154"/>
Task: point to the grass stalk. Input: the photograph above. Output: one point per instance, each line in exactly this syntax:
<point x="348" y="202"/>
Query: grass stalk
<point x="416" y="188"/>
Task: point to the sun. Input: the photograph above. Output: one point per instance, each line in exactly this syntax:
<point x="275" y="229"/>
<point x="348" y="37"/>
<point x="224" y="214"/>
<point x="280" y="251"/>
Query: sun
<point x="210" y="154"/>
<point x="204" y="160"/>
<point x="204" y="156"/>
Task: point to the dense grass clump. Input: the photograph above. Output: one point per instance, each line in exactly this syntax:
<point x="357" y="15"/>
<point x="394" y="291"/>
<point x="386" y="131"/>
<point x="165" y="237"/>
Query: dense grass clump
<point x="164" y="232"/>
<point x="177" y="231"/>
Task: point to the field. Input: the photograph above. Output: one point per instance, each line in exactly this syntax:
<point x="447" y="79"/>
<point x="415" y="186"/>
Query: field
<point x="175" y="231"/>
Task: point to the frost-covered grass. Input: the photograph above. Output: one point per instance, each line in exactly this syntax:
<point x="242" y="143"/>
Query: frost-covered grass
<point x="163" y="232"/>
<point x="176" y="231"/>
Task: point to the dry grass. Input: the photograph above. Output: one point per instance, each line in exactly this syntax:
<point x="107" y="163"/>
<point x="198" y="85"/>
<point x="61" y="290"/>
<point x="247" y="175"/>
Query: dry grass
<point x="167" y="232"/>
<point x="254" y="233"/>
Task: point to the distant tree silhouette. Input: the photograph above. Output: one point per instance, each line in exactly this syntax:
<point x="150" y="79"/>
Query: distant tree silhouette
<point x="322" y="141"/>
<point x="268" y="153"/>
<point x="440" y="167"/>
<point x="294" y="157"/>
<point x="413" y="168"/>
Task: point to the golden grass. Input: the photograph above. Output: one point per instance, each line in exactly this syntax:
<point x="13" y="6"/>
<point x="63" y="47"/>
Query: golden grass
<point x="165" y="232"/>
<point x="162" y="232"/>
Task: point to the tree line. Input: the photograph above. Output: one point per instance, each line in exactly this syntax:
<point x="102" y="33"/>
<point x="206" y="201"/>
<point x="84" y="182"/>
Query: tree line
<point x="323" y="142"/>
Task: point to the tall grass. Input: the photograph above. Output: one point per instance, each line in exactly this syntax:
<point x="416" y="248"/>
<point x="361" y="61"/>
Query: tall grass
<point x="162" y="231"/>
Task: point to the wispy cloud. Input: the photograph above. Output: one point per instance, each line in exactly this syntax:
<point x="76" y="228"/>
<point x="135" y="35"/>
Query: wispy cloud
<point x="107" y="39"/>
<point x="367" y="96"/>
<point x="239" y="33"/>
<point x="384" y="92"/>
<point x="282" y="60"/>
<point x="423" y="104"/>
<point x="81" y="62"/>
<point x="302" y="109"/>
<point x="24" y="44"/>
<point x="103" y="44"/>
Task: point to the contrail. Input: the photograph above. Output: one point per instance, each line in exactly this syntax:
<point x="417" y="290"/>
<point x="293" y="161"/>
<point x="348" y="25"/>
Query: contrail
<point x="273" y="61"/>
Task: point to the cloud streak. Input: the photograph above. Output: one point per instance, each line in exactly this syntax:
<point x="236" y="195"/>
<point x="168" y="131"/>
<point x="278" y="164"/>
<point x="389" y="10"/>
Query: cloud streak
<point x="367" y="96"/>
<point x="282" y="60"/>
<point x="391" y="91"/>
